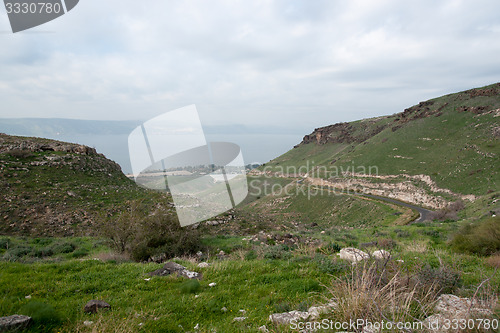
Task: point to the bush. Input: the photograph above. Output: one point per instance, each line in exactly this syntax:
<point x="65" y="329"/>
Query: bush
<point x="63" y="248"/>
<point x="326" y="265"/>
<point x="443" y="279"/>
<point x="386" y="243"/>
<point x="251" y="255"/>
<point x="329" y="249"/>
<point x="277" y="252"/>
<point x="189" y="286"/>
<point x="145" y="235"/>
<point x="78" y="253"/>
<point x="5" y="243"/>
<point x="43" y="252"/>
<point x="482" y="238"/>
<point x="19" y="153"/>
<point x="449" y="213"/>
<point x="19" y="252"/>
<point x="42" y="314"/>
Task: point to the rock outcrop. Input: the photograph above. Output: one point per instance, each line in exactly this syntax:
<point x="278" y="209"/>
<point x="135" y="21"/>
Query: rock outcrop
<point x="173" y="267"/>
<point x="353" y="255"/>
<point x="93" y="306"/>
<point x="451" y="308"/>
<point x="14" y="323"/>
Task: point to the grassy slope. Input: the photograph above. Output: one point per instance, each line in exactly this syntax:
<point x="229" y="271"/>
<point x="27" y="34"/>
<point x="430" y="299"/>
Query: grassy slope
<point x="65" y="195"/>
<point x="462" y="155"/>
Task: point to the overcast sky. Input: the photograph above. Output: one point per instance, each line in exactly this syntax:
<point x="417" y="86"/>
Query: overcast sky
<point x="299" y="64"/>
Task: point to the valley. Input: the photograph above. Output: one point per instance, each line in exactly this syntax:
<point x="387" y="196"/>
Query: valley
<point x="393" y="218"/>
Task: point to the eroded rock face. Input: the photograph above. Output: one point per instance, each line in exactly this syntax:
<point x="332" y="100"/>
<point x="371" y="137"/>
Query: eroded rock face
<point x="93" y="306"/>
<point x="353" y="255"/>
<point x="173" y="267"/>
<point x="14" y="323"/>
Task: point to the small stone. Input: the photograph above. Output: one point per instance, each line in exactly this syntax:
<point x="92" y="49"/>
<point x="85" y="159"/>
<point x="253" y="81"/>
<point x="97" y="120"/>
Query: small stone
<point x="93" y="306"/>
<point x="88" y="322"/>
<point x="197" y="327"/>
<point x="213" y="284"/>
<point x="239" y="318"/>
<point x="27" y="297"/>
<point x="203" y="264"/>
<point x="243" y="311"/>
<point x="264" y="329"/>
<point x="224" y="309"/>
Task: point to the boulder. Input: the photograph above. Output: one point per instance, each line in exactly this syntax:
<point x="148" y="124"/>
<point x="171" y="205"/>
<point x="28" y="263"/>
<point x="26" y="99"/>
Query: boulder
<point x="285" y="318"/>
<point x="14" y="323"/>
<point x="352" y="254"/>
<point x="173" y="267"/>
<point x="381" y="254"/>
<point x="93" y="306"/>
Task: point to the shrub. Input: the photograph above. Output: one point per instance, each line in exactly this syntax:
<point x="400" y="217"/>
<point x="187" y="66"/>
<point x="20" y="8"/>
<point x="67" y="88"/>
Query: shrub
<point x="5" y="243"/>
<point x="41" y="313"/>
<point x="448" y="213"/>
<point x="443" y="279"/>
<point x="43" y="252"/>
<point x="63" y="248"/>
<point x="329" y="249"/>
<point x="482" y="238"/>
<point x="19" y="153"/>
<point x="251" y="255"/>
<point x="189" y="286"/>
<point x="78" y="253"/>
<point x="277" y="252"/>
<point x="326" y="265"/>
<point x="386" y="243"/>
<point x="144" y="234"/>
<point x="19" y="251"/>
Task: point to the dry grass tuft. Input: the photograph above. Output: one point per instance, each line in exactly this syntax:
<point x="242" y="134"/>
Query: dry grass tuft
<point x="373" y="294"/>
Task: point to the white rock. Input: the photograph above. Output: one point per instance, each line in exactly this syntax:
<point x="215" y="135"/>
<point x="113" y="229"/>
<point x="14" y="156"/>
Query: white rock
<point x="197" y="327"/>
<point x="88" y="323"/>
<point x="381" y="254"/>
<point x="224" y="309"/>
<point x="212" y="284"/>
<point x="264" y="329"/>
<point x="352" y="254"/>
<point x="203" y="264"/>
<point x="316" y="311"/>
<point x="239" y="318"/>
<point x="27" y="297"/>
<point x="286" y="317"/>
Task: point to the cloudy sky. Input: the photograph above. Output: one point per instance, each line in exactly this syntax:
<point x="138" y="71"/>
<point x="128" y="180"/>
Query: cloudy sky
<point x="288" y="63"/>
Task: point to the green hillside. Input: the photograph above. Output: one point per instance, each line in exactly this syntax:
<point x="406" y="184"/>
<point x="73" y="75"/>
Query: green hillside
<point x="455" y="139"/>
<point x="56" y="188"/>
